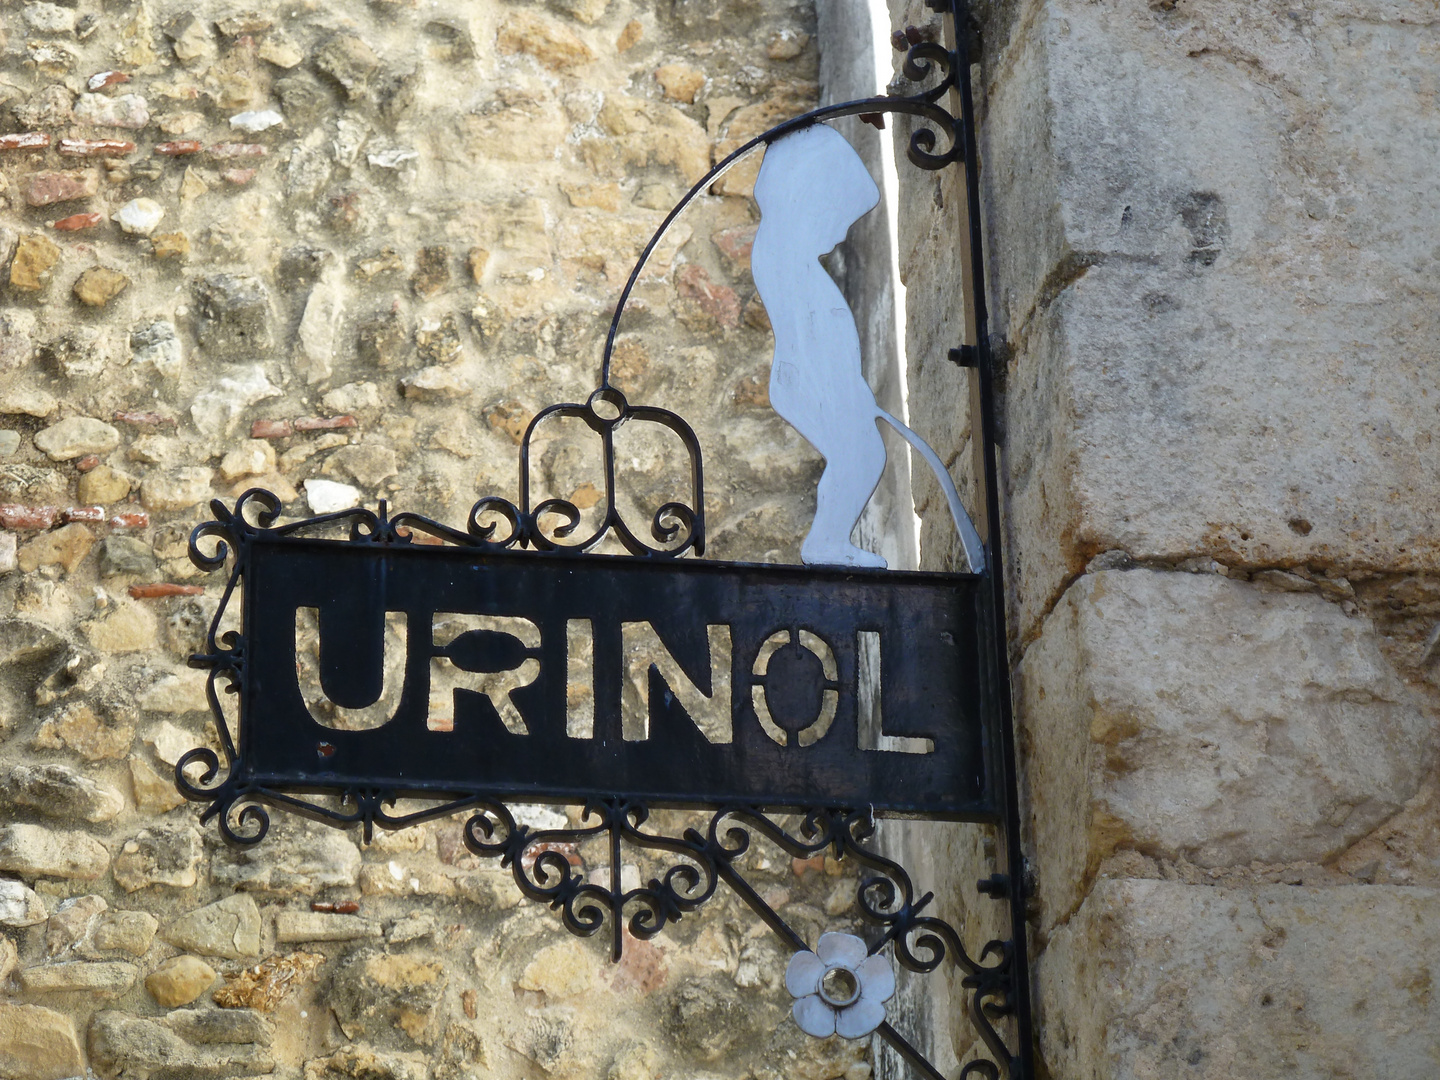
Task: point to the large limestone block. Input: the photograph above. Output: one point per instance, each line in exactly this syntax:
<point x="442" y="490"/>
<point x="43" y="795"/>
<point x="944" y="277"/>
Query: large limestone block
<point x="380" y="994"/>
<point x="58" y="791"/>
<point x="301" y="926"/>
<point x="229" y="928"/>
<point x="126" y="1046"/>
<point x="20" y="905"/>
<point x="97" y="979"/>
<point x="38" y="1044"/>
<point x="164" y="854"/>
<point x="296" y="857"/>
<point x="1221" y="335"/>
<point x="36" y="851"/>
<point x="1159" y="979"/>
<point x="1193" y="717"/>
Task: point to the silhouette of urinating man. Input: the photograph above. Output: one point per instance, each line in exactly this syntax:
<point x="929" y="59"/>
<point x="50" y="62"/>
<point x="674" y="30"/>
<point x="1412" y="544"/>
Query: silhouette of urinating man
<point x="812" y="187"/>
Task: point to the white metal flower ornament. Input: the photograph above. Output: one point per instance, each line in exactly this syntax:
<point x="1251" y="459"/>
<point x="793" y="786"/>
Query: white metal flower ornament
<point x="839" y="989"/>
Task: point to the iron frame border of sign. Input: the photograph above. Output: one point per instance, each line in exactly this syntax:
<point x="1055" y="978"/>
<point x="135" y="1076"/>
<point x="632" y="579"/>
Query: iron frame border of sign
<point x="886" y="900"/>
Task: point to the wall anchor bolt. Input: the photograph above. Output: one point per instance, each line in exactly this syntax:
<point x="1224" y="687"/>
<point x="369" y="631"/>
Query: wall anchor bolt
<point x="996" y="886"/>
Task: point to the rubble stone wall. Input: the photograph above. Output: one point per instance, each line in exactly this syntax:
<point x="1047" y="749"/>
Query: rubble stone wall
<point x="345" y="252"/>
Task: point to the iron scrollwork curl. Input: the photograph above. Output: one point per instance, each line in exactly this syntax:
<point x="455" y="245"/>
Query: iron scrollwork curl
<point x="540" y="861"/>
<point x="231" y="531"/>
<point x="885" y="897"/>
<point x="677" y="527"/>
<point x="923" y="60"/>
<point x="543" y="870"/>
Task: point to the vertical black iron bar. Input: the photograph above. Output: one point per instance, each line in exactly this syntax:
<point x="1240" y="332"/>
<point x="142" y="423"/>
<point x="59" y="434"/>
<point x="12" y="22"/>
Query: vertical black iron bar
<point x="617" y="895"/>
<point x="1022" y="1063"/>
<point x="612" y="513"/>
<point x="524" y="517"/>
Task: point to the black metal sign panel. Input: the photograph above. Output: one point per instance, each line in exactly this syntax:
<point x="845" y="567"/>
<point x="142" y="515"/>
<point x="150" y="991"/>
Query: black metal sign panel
<point x="569" y="677"/>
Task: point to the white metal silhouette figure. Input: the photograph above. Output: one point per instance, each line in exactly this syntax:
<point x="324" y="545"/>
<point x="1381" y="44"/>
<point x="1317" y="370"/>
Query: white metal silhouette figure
<point x="812" y="187"/>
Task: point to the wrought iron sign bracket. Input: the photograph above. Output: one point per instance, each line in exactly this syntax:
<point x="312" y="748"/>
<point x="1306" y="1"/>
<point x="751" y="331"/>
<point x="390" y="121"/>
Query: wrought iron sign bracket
<point x="508" y="662"/>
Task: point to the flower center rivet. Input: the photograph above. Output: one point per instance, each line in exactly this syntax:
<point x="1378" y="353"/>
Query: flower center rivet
<point x="839" y="987"/>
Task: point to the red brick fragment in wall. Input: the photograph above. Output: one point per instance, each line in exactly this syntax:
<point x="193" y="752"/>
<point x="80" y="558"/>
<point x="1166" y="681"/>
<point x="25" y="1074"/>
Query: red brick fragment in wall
<point x="88" y="462"/>
<point x="178" y="148"/>
<point x="569" y="852"/>
<point x="642" y="967"/>
<point x="324" y="423"/>
<point x="160" y="590"/>
<point x="76" y="222"/>
<point x="101" y="80"/>
<point x="25" y="140"/>
<point x="421" y="538"/>
<point x="45" y="188"/>
<point x="16" y="516"/>
<point x="718" y="301"/>
<point x="736" y="243"/>
<point x="96" y="147"/>
<point x="94" y="514"/>
<point x="130" y="519"/>
<point x="271" y="429"/>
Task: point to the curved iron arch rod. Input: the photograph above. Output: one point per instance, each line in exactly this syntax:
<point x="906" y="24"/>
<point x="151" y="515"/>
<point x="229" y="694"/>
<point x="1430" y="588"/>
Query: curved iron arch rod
<point x="921" y="143"/>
